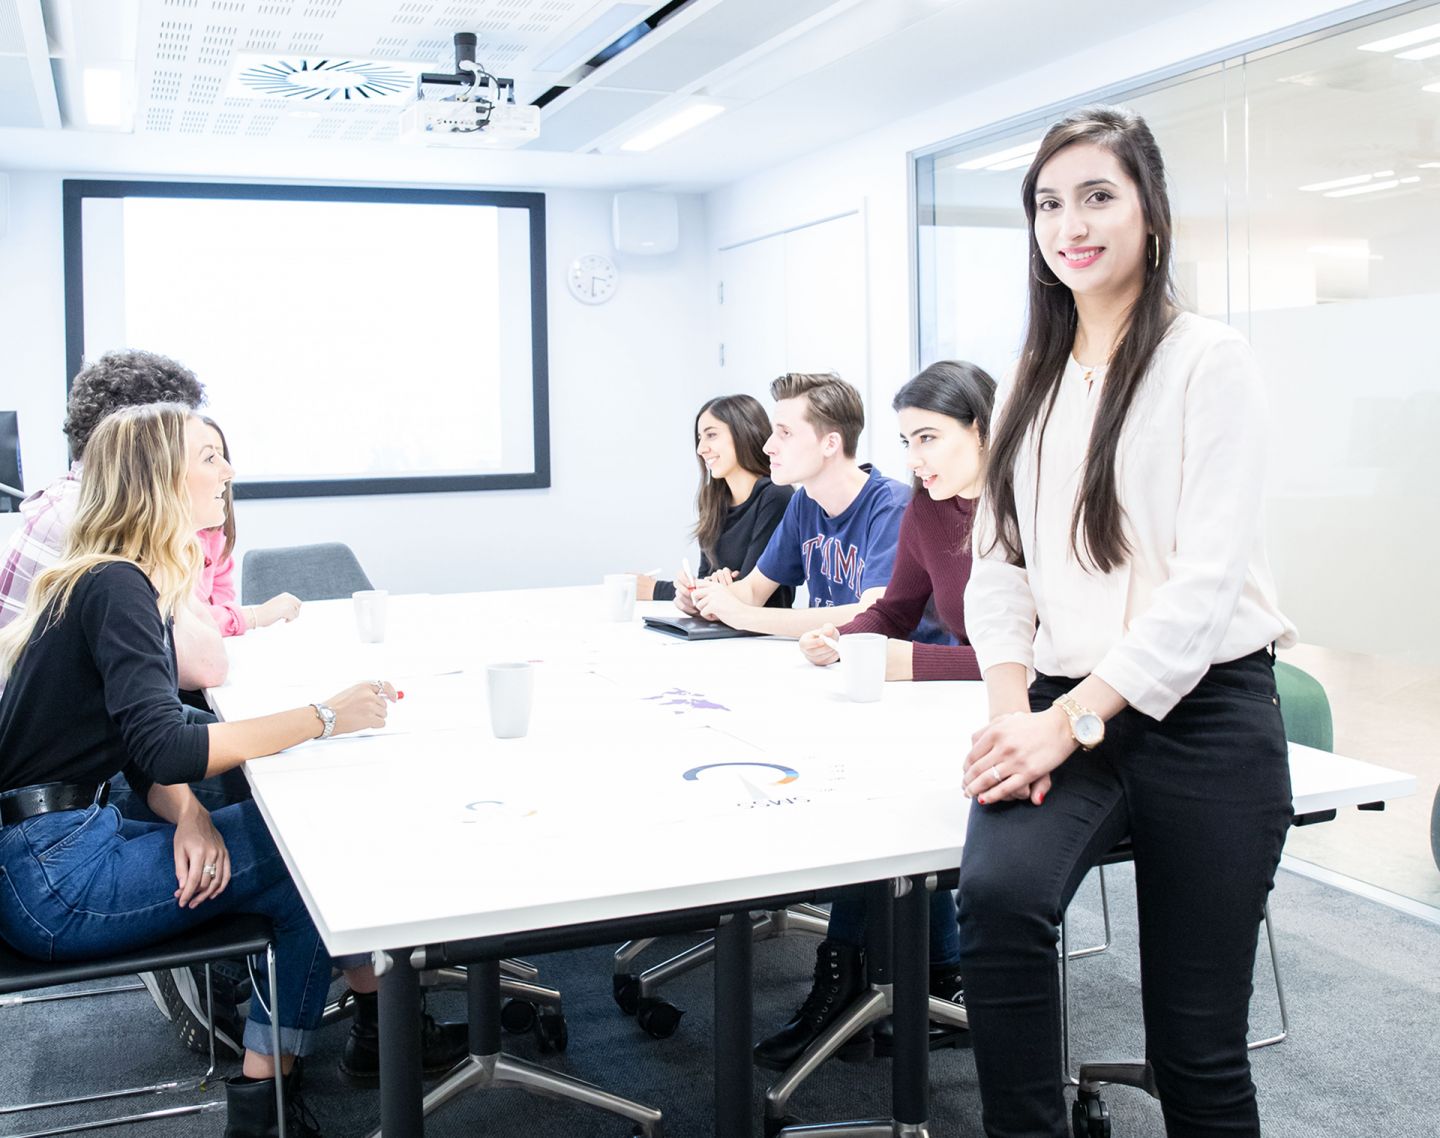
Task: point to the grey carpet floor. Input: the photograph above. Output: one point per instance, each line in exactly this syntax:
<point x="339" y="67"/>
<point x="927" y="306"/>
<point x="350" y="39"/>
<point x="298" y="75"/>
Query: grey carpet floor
<point x="1361" y="980"/>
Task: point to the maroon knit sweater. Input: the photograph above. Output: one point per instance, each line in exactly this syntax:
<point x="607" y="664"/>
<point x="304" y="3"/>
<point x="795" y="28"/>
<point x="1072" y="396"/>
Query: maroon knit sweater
<point x="933" y="559"/>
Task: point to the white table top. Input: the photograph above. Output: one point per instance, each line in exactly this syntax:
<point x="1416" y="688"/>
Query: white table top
<point x="433" y="830"/>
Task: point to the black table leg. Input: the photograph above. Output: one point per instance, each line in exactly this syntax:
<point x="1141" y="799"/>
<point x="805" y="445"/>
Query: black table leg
<point x="734" y="1074"/>
<point x="401" y="1092"/>
<point x="910" y="1074"/>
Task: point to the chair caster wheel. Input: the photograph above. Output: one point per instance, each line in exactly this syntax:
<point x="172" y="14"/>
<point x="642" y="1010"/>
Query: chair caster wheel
<point x="1090" y="1117"/>
<point x="657" y="1019"/>
<point x="551" y="1033"/>
<point x="517" y="1016"/>
<point x="625" y="986"/>
<point x="773" y="1126"/>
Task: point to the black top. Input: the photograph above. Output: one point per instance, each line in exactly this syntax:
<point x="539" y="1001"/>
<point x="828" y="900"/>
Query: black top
<point x="96" y="693"/>
<point x="747" y="530"/>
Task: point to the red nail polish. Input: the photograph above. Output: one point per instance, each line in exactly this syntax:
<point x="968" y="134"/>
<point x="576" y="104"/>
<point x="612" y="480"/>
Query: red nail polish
<point x="399" y="695"/>
<point x="981" y="801"/>
<point x="1040" y="801"/>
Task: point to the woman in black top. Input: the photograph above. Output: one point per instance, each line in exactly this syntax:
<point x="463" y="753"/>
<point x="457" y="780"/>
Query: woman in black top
<point x="738" y="506"/>
<point x="92" y="691"/>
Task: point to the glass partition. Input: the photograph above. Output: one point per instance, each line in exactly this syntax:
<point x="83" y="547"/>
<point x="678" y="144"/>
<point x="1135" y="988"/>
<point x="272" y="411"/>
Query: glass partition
<point x="1303" y="179"/>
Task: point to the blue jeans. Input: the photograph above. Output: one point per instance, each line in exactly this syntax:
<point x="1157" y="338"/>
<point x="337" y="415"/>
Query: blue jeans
<point x="76" y="884"/>
<point x="847" y="924"/>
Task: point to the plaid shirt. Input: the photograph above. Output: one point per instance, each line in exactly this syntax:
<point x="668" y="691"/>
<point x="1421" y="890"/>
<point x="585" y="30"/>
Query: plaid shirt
<point x="38" y="544"/>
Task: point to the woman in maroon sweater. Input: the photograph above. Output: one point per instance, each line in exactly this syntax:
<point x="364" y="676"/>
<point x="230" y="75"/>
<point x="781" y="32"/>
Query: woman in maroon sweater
<point x="944" y="415"/>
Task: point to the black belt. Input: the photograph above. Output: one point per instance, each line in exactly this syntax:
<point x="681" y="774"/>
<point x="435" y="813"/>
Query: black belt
<point x="47" y="797"/>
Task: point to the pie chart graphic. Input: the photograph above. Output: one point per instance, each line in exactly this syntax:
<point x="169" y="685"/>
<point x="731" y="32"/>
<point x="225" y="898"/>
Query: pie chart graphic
<point x="787" y="774"/>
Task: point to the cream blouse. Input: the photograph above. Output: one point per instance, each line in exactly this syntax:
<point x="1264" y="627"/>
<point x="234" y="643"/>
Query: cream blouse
<point x="1197" y="588"/>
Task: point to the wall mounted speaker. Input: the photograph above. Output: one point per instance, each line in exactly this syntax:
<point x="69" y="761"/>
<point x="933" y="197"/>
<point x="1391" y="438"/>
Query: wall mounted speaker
<point x="646" y="223"/>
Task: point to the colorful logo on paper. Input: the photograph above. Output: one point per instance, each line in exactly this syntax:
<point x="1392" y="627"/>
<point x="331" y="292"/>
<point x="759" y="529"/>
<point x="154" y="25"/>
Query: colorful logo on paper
<point x="787" y="774"/>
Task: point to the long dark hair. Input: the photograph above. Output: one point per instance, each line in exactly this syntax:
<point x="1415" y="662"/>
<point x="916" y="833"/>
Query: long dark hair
<point x="228" y="527"/>
<point x="749" y="428"/>
<point x="955" y="388"/>
<point x="1096" y="523"/>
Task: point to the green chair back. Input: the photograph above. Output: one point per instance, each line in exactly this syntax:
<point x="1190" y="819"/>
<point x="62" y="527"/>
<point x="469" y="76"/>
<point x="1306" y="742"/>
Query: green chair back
<point x="1304" y="707"/>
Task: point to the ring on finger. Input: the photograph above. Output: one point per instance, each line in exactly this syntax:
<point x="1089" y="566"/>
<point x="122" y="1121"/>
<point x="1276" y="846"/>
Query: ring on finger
<point x="210" y="871"/>
<point x="379" y="686"/>
<point x="995" y="774"/>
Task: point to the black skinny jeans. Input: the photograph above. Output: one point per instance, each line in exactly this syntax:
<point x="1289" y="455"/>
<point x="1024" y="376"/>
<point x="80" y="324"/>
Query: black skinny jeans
<point x="1205" y="797"/>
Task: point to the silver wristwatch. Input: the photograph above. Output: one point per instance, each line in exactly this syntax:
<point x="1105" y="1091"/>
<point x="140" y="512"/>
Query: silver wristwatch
<point x="327" y="717"/>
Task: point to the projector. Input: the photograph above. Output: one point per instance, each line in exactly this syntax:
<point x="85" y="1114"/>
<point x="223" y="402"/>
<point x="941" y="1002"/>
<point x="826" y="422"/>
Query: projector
<point x="467" y="107"/>
<point x="452" y="123"/>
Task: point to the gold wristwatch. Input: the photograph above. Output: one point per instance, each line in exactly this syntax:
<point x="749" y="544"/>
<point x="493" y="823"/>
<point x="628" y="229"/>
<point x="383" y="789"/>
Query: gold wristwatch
<point x="1086" y="728"/>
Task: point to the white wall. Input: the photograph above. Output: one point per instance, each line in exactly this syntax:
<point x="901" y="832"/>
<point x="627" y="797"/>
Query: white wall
<point x="625" y="379"/>
<point x="872" y="171"/>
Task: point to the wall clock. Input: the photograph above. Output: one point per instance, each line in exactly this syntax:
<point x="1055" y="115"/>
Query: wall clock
<point x="593" y="278"/>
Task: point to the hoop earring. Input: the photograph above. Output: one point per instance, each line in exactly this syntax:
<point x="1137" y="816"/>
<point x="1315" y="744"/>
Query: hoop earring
<point x="1038" y="278"/>
<point x="1155" y="264"/>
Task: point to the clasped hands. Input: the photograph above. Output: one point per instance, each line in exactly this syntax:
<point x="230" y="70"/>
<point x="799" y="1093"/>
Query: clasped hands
<point x="1013" y="755"/>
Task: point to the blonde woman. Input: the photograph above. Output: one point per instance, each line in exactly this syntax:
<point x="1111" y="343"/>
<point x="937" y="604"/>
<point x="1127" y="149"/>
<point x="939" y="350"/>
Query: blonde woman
<point x="92" y="691"/>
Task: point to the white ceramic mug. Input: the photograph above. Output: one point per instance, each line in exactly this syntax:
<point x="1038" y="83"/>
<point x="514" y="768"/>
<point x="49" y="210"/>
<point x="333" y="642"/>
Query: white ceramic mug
<point x="370" y="605"/>
<point x="620" y="596"/>
<point x="862" y="662"/>
<point x="510" y="687"/>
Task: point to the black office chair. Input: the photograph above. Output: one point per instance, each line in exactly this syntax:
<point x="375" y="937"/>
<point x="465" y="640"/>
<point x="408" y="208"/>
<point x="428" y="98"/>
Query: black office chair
<point x="635" y="991"/>
<point x="236" y="935"/>
<point x="323" y="572"/>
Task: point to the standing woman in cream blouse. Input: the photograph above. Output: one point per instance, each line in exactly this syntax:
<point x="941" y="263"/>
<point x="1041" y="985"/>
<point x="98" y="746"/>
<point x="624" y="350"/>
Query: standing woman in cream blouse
<point x="1122" y="516"/>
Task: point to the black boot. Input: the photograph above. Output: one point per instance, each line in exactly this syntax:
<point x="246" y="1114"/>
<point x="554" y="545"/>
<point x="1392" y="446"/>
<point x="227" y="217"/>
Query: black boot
<point x="839" y="978"/>
<point x="442" y="1045"/>
<point x="945" y="984"/>
<point x="250" y="1109"/>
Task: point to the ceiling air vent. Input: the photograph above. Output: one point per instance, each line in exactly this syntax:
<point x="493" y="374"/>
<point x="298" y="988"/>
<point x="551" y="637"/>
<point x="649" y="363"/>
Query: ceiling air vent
<point x="322" y="79"/>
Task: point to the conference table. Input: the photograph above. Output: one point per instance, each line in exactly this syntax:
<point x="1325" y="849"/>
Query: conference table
<point x="663" y="785"/>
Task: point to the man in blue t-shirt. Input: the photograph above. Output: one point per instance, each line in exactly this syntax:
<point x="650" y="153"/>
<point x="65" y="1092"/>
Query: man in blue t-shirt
<point x="840" y="530"/>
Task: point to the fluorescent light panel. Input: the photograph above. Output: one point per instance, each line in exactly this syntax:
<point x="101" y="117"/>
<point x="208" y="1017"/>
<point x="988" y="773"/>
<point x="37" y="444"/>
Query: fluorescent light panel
<point x="1337" y="183"/>
<point x="672" y="127"/>
<point x="1404" y="39"/>
<point x="1008" y="159"/>
<point x="107" y="101"/>
<point x="1429" y="51"/>
<point x="588" y="40"/>
<point x="1432" y="87"/>
<point x="1370" y="189"/>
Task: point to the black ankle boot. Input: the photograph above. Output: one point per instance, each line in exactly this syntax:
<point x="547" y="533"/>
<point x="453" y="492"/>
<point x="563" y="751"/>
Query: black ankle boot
<point x="839" y="978"/>
<point x="946" y="983"/>
<point x="442" y="1045"/>
<point x="250" y="1109"/>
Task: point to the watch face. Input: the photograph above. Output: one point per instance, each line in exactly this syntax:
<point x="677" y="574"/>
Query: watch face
<point x="1089" y="729"/>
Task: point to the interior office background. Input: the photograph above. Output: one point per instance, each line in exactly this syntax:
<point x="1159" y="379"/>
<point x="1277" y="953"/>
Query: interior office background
<point x="853" y="256"/>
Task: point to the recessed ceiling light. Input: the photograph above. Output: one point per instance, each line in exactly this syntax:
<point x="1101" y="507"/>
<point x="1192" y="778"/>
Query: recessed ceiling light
<point x="1336" y="183"/>
<point x="1429" y="51"/>
<point x="1000" y="159"/>
<point x="1429" y="165"/>
<point x="1370" y="189"/>
<point x="107" y="98"/>
<point x="1411" y="180"/>
<point x="1404" y="39"/>
<point x="1433" y="87"/>
<point x="1357" y="252"/>
<point x="672" y="127"/>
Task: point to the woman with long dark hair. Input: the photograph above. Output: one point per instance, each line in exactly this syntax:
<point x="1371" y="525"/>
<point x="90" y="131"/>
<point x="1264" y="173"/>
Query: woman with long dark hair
<point x="1119" y="558"/>
<point x="737" y="505"/>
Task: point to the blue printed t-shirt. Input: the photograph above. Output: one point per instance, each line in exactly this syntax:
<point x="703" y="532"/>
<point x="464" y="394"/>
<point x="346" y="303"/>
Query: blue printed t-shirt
<point x="838" y="558"/>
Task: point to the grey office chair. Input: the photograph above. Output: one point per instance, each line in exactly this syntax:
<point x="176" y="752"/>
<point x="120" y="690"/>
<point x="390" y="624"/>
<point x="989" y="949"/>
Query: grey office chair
<point x="322" y="572"/>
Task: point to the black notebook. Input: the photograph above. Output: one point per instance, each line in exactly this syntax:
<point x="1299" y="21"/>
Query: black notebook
<point x="694" y="627"/>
